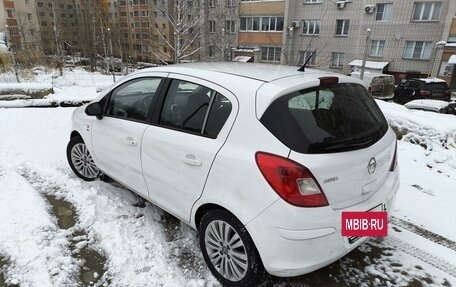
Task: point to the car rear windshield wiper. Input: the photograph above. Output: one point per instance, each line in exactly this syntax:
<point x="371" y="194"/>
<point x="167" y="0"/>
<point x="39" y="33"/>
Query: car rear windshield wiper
<point x="346" y="145"/>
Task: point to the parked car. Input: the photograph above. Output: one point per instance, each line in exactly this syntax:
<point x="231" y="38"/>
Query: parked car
<point x="437" y="106"/>
<point x="260" y="159"/>
<point x="379" y="86"/>
<point x="416" y="89"/>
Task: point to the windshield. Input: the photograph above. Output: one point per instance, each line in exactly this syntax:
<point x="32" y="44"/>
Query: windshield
<point x="326" y="119"/>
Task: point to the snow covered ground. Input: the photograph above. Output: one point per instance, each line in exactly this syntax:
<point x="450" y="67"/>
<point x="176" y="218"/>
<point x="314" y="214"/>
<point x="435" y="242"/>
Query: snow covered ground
<point x="57" y="230"/>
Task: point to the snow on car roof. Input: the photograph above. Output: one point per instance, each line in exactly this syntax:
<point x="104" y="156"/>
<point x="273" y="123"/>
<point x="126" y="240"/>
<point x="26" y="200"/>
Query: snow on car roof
<point x="432" y="105"/>
<point x="431" y="80"/>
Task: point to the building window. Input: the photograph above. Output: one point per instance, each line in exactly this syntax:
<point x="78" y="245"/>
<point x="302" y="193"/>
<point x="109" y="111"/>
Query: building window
<point x="13" y="31"/>
<point x="211" y="26"/>
<point x="9" y="13"/>
<point x="250" y="23"/>
<point x="270" y="54"/>
<point x="384" y="12"/>
<point x="376" y="48"/>
<point x="310" y="27"/>
<point x="32" y="32"/>
<point x="230" y="3"/>
<point x="342" y="27"/>
<point x="337" y="60"/>
<point x="417" y="50"/>
<point x="267" y="24"/>
<point x="426" y="11"/>
<point x="230" y="26"/>
<point x="271" y="23"/>
<point x="40" y="4"/>
<point x="211" y="51"/>
<point x="303" y="56"/>
<point x="27" y="2"/>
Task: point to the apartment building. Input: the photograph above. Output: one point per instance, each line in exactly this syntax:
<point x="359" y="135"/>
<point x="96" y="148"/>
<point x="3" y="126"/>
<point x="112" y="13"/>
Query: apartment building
<point x="20" y="18"/>
<point x="155" y="31"/>
<point x="60" y="26"/>
<point x="447" y="70"/>
<point x="220" y="28"/>
<point x="398" y="36"/>
<point x="261" y="31"/>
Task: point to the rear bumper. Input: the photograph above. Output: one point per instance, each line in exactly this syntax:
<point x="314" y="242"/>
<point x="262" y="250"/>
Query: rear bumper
<point x="293" y="241"/>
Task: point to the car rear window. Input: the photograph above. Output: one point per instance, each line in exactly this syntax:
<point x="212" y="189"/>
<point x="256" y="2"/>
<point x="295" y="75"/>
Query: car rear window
<point x="327" y="119"/>
<point x="436" y="86"/>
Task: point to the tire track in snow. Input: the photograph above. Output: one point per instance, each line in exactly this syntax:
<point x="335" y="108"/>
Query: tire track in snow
<point x="422" y="255"/>
<point x="131" y="237"/>
<point x="427" y="234"/>
<point x="91" y="262"/>
<point x="34" y="248"/>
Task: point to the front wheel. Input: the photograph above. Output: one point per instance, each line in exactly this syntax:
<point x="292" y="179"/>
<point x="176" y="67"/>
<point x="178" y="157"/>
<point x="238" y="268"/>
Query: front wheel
<point x="229" y="251"/>
<point x="80" y="160"/>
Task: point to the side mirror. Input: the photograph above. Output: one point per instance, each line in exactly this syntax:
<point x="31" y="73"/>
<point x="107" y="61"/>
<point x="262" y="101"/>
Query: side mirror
<point x="94" y="109"/>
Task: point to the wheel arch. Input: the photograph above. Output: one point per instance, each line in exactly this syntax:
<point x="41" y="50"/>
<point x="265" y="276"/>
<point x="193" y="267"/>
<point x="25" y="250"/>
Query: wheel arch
<point x="205" y="208"/>
<point x="75" y="134"/>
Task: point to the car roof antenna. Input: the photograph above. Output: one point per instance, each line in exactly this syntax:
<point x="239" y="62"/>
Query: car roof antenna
<point x="303" y="67"/>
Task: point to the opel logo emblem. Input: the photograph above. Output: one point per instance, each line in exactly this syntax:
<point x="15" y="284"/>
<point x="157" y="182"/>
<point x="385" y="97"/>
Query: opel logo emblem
<point x="372" y="166"/>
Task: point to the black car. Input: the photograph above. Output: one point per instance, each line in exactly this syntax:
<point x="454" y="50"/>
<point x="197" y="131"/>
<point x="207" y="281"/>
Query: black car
<point x="416" y="89"/>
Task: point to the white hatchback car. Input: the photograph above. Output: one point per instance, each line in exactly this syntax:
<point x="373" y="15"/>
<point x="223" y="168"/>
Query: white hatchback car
<point x="260" y="159"/>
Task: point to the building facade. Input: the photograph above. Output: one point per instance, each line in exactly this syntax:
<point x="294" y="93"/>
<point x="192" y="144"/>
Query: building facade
<point x="447" y="69"/>
<point x="19" y="18"/>
<point x="402" y="34"/>
<point x="261" y="30"/>
<point x="220" y="28"/>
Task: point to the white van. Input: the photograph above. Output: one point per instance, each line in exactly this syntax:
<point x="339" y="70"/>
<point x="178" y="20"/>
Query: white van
<point x="380" y="86"/>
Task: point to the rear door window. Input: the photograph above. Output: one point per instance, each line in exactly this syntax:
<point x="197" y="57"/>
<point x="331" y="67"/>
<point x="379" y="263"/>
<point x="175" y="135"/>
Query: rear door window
<point x="194" y="108"/>
<point x="326" y="119"/>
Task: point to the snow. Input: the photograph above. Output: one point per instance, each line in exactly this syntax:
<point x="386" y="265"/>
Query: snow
<point x="452" y="59"/>
<point x="369" y="64"/>
<point x="143" y="246"/>
<point x="26" y="87"/>
<point x="434" y="105"/>
<point x="29" y="236"/>
<point x="432" y="80"/>
<point x="3" y="46"/>
<point x="75" y="86"/>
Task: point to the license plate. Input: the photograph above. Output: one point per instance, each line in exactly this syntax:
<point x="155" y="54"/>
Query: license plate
<point x="373" y="222"/>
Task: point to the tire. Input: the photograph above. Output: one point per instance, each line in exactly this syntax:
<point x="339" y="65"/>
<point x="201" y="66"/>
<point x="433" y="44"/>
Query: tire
<point x="243" y="266"/>
<point x="80" y="160"/>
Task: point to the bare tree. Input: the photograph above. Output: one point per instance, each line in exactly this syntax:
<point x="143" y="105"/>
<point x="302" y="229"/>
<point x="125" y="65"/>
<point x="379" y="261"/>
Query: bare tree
<point x="180" y="29"/>
<point x="220" y="30"/>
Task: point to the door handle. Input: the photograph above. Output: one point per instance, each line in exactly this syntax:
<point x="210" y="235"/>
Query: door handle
<point x="130" y="141"/>
<point x="191" y="160"/>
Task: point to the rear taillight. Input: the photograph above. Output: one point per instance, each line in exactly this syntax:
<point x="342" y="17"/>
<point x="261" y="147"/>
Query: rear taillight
<point x="424" y="93"/>
<point x="394" y="162"/>
<point x="293" y="182"/>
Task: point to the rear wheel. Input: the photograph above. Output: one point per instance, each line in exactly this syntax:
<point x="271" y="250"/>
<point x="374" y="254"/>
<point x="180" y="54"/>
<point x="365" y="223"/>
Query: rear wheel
<point x="80" y="160"/>
<point x="229" y="251"/>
